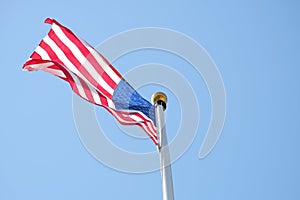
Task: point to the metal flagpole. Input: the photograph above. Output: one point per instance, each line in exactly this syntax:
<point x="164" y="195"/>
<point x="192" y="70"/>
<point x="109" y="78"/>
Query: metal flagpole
<point x="159" y="99"/>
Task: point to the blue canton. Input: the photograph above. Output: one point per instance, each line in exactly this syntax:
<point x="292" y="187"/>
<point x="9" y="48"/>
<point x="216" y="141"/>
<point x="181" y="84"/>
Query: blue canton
<point x="126" y="98"/>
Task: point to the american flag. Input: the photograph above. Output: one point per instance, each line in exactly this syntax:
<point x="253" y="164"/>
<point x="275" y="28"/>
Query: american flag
<point x="91" y="76"/>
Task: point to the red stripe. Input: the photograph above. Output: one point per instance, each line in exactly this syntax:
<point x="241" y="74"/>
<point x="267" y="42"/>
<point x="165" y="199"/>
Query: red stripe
<point x="108" y="63"/>
<point x="50" y="52"/>
<point x="143" y="118"/>
<point x="149" y="133"/>
<point x="146" y="123"/>
<point x="69" y="54"/>
<point x="91" y="58"/>
<point x="126" y="120"/>
<point x="36" y="61"/>
<point x="70" y="80"/>
<point x="103" y="99"/>
<point x="148" y="130"/>
<point x="126" y="117"/>
<point x="35" y="55"/>
<point x="51" y="72"/>
<point x="54" y="67"/>
<point x="54" y="58"/>
<point x="117" y="115"/>
<point x="27" y="65"/>
<point x="154" y="139"/>
<point x="87" y="91"/>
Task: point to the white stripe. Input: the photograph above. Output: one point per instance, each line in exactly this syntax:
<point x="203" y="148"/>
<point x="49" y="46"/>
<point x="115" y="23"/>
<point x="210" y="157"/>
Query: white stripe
<point x="82" y="59"/>
<point x="138" y="119"/>
<point x="149" y="133"/>
<point x="146" y="129"/>
<point x="151" y="125"/>
<point x="60" y="54"/>
<point x="44" y="55"/>
<point x="79" y="86"/>
<point x="103" y="64"/>
<point x="110" y="103"/>
<point x="40" y="65"/>
<point x="95" y="95"/>
<point x="56" y="72"/>
<point x="119" y="118"/>
<point x="68" y="64"/>
<point x="54" y="47"/>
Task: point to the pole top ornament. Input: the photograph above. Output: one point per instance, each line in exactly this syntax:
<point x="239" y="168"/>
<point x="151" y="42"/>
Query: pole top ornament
<point x="159" y="98"/>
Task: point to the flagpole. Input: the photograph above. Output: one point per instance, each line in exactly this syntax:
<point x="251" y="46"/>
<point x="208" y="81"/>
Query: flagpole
<point x="159" y="99"/>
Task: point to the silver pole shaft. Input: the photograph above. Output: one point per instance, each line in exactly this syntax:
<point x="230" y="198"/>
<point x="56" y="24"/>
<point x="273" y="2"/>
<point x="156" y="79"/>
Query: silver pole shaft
<point x="164" y="155"/>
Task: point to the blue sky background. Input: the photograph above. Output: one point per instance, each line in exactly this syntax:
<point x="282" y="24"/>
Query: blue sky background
<point x="255" y="45"/>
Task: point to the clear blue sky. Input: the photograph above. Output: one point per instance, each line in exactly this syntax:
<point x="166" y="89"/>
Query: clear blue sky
<point x="256" y="47"/>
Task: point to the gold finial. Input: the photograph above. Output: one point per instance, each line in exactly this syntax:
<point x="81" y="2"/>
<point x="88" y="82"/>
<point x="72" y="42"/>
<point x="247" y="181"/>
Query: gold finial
<point x="160" y="98"/>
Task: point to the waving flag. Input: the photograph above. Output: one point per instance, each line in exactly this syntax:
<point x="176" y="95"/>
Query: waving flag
<point x="91" y="76"/>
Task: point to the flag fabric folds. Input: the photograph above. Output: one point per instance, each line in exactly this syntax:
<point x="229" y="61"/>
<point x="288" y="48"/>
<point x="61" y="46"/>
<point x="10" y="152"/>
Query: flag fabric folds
<point x="91" y="76"/>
